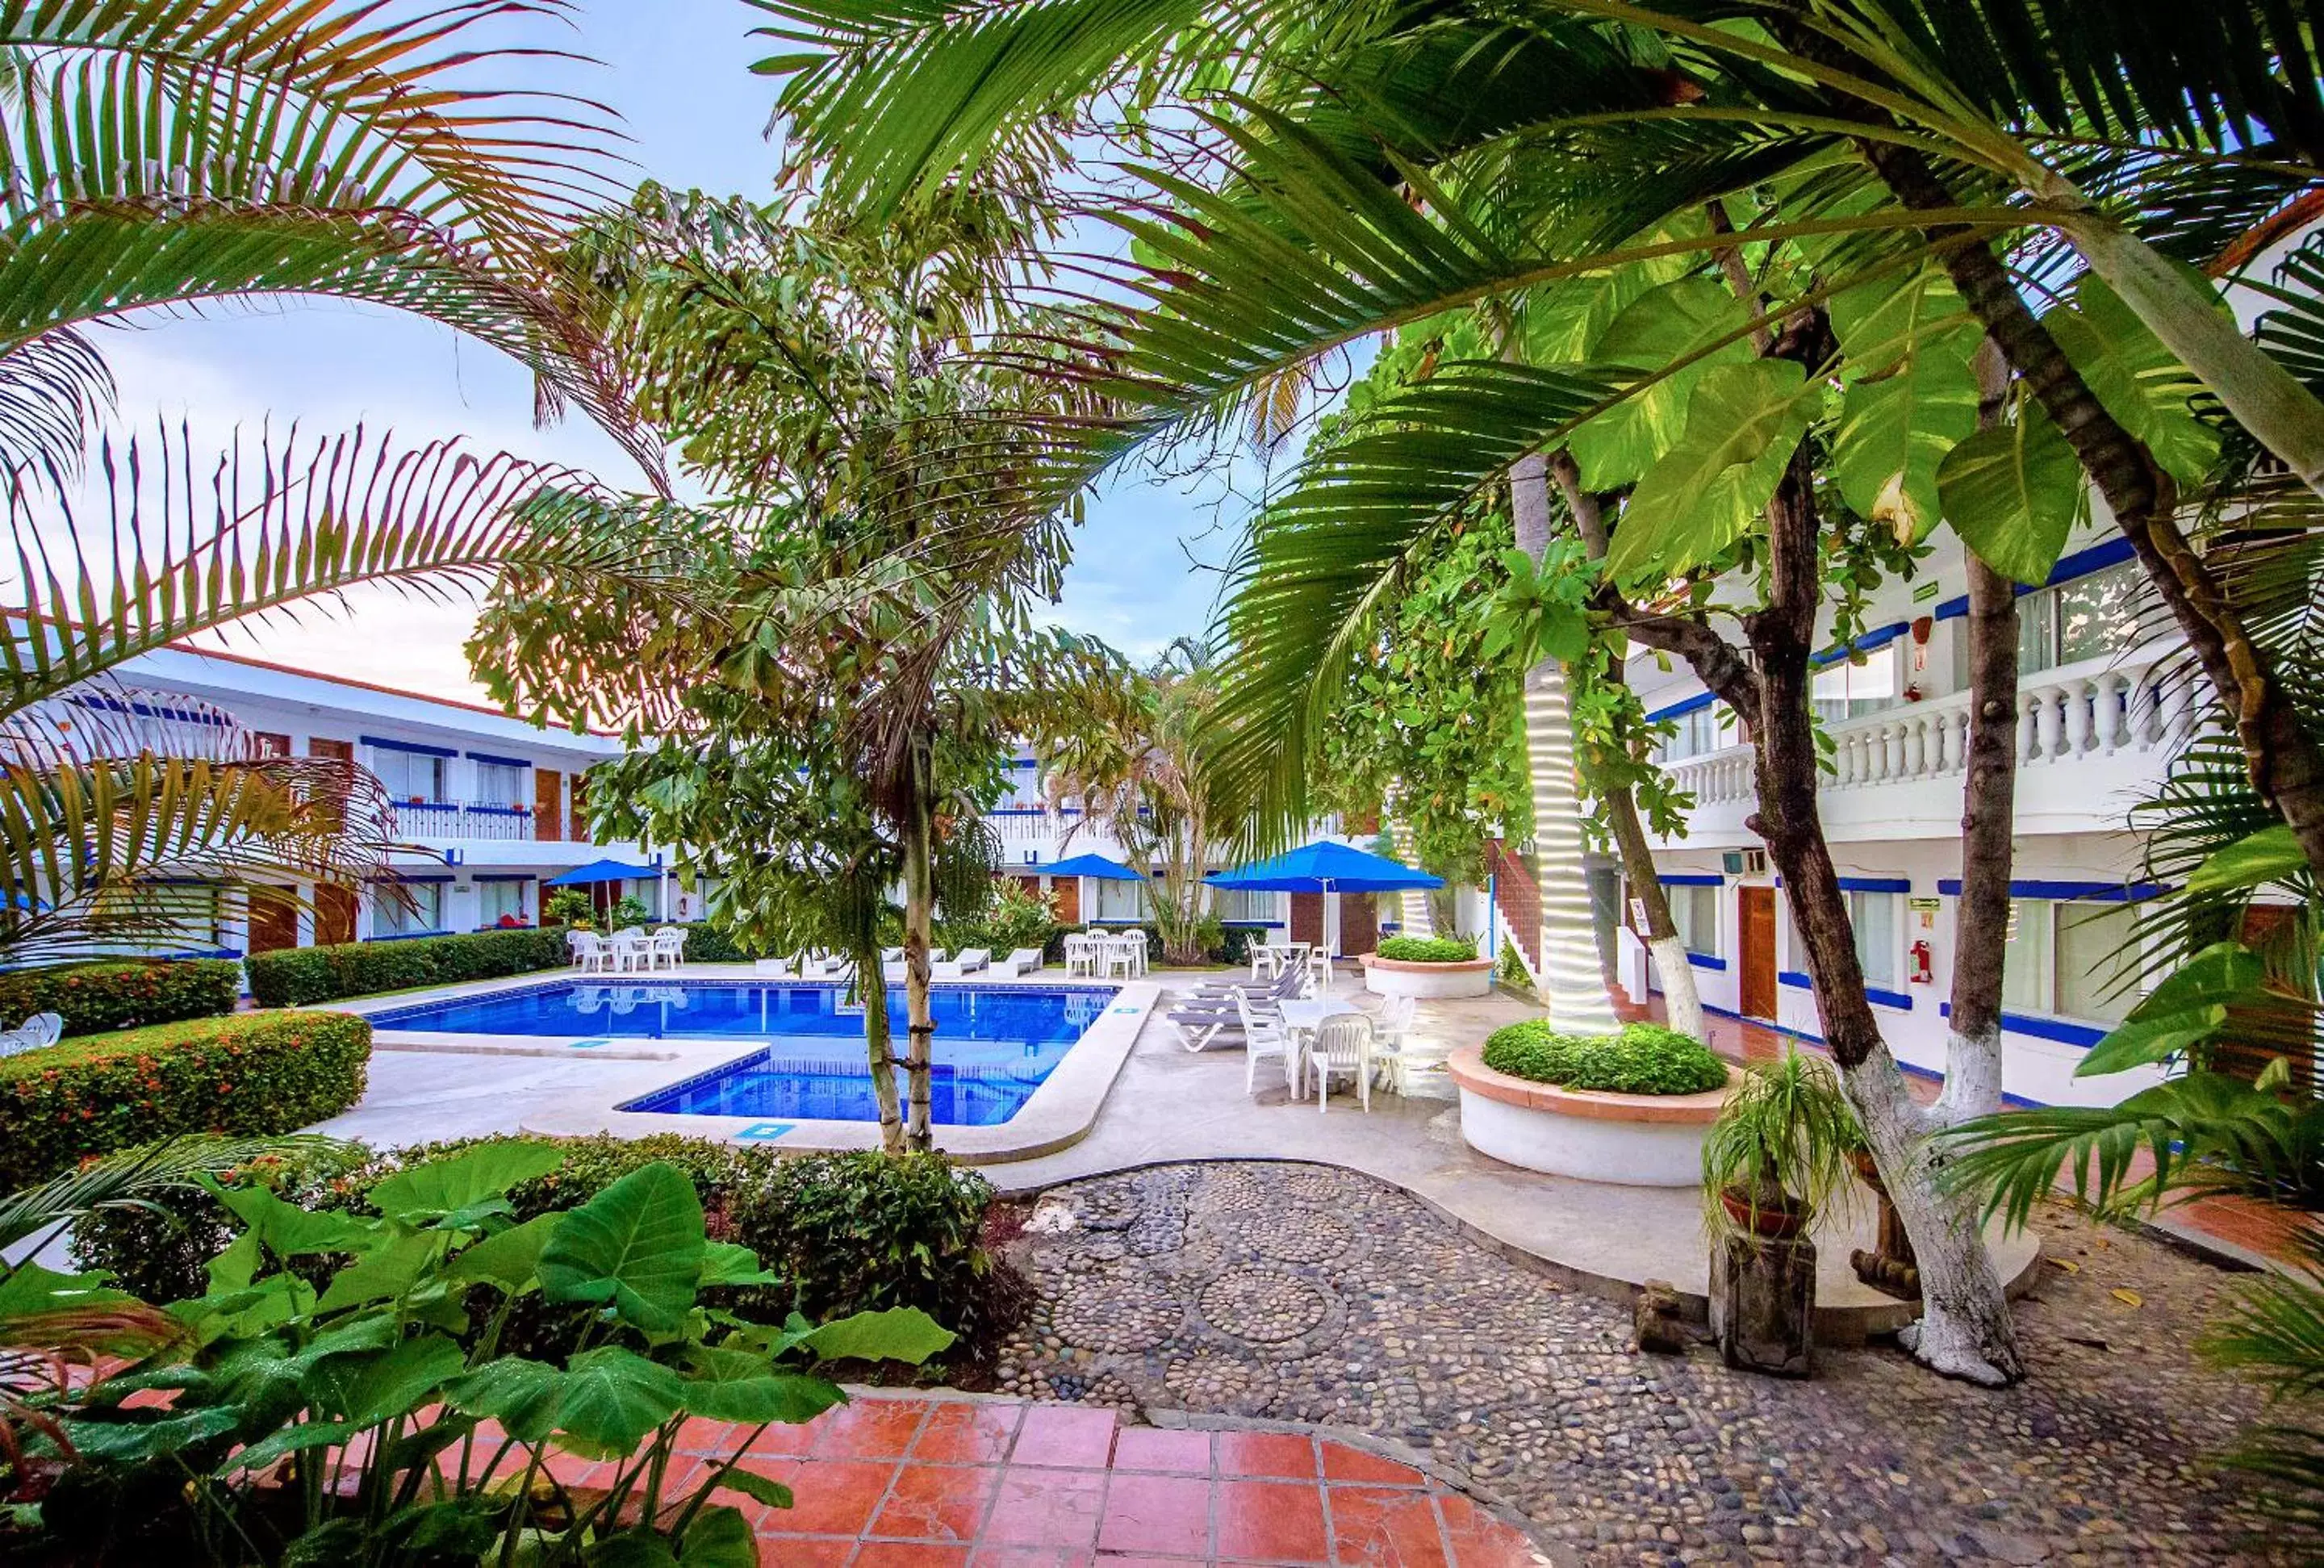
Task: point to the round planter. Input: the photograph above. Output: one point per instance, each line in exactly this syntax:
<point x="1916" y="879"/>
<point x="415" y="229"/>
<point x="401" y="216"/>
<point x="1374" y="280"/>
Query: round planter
<point x="1398" y="977"/>
<point x="1639" y="1140"/>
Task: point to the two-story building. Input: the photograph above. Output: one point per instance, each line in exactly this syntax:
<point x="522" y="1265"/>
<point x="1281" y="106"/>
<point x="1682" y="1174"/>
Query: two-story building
<point x="491" y="807"/>
<point x="2105" y="698"/>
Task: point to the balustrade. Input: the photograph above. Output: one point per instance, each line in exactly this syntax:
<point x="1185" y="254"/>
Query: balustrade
<point x="2060" y="717"/>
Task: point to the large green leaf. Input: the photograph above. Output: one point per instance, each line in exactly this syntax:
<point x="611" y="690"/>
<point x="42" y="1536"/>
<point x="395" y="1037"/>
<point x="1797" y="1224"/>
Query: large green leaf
<point x="637" y="1247"/>
<point x="2014" y="492"/>
<point x="510" y="1259"/>
<point x="368" y="1389"/>
<point x="442" y="1186"/>
<point x="719" y="1537"/>
<point x="521" y="1394"/>
<point x="288" y="1230"/>
<point x="612" y="1397"/>
<point x="899" y="1334"/>
<point x="1912" y="397"/>
<point x="2141" y="383"/>
<point x="1742" y="424"/>
<point x="2271" y="854"/>
<point x="731" y="1263"/>
<point x="1618" y="447"/>
<point x="381" y="1275"/>
<point x="736" y="1385"/>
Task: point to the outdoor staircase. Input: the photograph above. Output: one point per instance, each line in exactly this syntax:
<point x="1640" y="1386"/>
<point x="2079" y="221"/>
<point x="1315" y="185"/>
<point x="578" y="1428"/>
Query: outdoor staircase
<point x="1516" y="904"/>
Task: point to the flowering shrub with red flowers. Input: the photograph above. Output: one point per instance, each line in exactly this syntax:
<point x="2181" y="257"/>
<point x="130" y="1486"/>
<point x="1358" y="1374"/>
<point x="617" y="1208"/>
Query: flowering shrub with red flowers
<point x="248" y="1075"/>
<point x="94" y="997"/>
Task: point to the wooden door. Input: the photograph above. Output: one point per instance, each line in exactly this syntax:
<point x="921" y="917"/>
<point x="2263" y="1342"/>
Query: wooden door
<point x="342" y="751"/>
<point x="335" y="915"/>
<point x="1066" y="899"/>
<point x="580" y="834"/>
<point x="1755" y="956"/>
<point x="273" y="920"/>
<point x="548" y="805"/>
<point x="269" y="744"/>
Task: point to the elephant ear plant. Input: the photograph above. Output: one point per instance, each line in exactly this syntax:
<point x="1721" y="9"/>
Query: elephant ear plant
<point x="338" y="1396"/>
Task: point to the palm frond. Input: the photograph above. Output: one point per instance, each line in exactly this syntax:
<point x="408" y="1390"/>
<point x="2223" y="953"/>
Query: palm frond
<point x="132" y="1178"/>
<point x="54" y="386"/>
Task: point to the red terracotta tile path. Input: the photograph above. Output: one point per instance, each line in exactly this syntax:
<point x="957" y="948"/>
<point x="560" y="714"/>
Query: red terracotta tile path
<point x="911" y="1481"/>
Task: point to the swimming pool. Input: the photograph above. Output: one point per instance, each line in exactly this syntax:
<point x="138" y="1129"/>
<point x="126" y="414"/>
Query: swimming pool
<point x="995" y="1045"/>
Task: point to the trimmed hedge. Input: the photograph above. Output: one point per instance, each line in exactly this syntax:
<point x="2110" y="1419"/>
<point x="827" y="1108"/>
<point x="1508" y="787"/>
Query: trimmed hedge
<point x="94" y="997"/>
<point x="1643" y="1059"/>
<point x="848" y="1232"/>
<point x="302" y="976"/>
<point x="251" y="1074"/>
<point x="1429" y="950"/>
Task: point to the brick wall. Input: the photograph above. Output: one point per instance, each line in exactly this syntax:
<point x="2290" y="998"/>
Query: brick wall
<point x="1514" y="891"/>
<point x="1307" y="918"/>
<point x="1359" y="924"/>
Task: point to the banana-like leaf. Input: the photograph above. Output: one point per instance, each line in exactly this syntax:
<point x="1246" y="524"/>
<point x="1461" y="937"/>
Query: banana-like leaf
<point x="1742" y="425"/>
<point x="1911" y="399"/>
<point x="130" y="1179"/>
<point x="2141" y="383"/>
<point x="1667" y="324"/>
<point x="2014" y="493"/>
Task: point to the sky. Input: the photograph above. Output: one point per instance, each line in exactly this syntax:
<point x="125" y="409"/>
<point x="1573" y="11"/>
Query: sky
<point x="677" y="73"/>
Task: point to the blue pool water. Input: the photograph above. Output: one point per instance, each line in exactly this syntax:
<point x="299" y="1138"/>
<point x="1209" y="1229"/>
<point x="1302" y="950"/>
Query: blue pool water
<point x="993" y="1045"/>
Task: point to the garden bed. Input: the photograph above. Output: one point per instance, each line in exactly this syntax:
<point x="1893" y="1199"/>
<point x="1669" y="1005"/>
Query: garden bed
<point x="1653" y="1140"/>
<point x="1397" y="977"/>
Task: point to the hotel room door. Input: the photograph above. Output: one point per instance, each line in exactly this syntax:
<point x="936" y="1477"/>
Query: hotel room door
<point x="1756" y="953"/>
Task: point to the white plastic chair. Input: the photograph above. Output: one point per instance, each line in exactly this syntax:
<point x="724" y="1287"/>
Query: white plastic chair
<point x="591" y="955"/>
<point x="1342" y="1043"/>
<point x="1081" y="953"/>
<point x="669" y="942"/>
<point x="1262" y="1036"/>
<point x="42" y="1030"/>
<point x="1392" y="1029"/>
<point x="1319" y="969"/>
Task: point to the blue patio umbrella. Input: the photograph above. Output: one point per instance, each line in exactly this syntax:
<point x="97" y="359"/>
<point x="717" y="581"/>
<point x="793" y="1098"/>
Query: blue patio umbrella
<point x="600" y="870"/>
<point x="1090" y="865"/>
<point x="1325" y="867"/>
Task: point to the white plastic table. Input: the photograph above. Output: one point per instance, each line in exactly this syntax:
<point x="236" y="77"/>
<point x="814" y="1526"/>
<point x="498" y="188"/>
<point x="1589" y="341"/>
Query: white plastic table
<point x="1302" y="1017"/>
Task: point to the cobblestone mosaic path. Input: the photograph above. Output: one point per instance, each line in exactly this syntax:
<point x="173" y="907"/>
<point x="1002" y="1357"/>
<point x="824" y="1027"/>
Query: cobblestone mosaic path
<point x="1305" y="1293"/>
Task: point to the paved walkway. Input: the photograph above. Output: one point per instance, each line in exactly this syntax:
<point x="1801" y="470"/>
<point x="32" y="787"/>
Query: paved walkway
<point x="927" y="1482"/>
<point x="1302" y="1293"/>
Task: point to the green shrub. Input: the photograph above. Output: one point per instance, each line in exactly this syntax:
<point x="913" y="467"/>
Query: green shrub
<point x="302" y="976"/>
<point x="95" y="997"/>
<point x="249" y="1075"/>
<point x="708" y="944"/>
<point x="1643" y="1059"/>
<point x="845" y="1231"/>
<point x="1429" y="949"/>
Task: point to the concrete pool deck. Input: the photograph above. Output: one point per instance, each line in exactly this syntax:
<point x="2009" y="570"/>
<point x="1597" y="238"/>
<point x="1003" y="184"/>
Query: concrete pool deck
<point x="1159" y="1104"/>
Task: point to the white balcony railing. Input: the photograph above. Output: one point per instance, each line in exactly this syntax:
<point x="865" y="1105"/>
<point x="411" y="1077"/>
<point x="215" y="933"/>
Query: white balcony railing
<point x="2063" y="716"/>
<point x="461" y="819"/>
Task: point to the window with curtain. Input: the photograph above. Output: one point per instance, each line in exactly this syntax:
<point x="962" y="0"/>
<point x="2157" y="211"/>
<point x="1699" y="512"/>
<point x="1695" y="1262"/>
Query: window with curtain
<point x="1704" y="730"/>
<point x="1241" y="904"/>
<point x="495" y="899"/>
<point x="1848" y="689"/>
<point x="408" y="775"/>
<point x="2087" y="617"/>
<point x="2063" y="960"/>
<point x="1694" y="911"/>
<point x="1875" y="918"/>
<point x="394" y="916"/>
<point x="194" y="919"/>
<point x="499" y="784"/>
<point x="1121" y="901"/>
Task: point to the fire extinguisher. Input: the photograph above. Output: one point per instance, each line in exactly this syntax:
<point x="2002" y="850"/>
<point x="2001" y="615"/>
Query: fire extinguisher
<point x="1921" y="974"/>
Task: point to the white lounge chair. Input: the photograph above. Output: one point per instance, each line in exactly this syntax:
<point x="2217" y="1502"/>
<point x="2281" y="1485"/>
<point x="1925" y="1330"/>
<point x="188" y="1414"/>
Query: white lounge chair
<point x="778" y="967"/>
<point x="1342" y="1044"/>
<point x="1023" y="961"/>
<point x="1203" y="1021"/>
<point x="1262" y="1036"/>
<point x="967" y="961"/>
<point x="43" y="1029"/>
<point x="892" y="964"/>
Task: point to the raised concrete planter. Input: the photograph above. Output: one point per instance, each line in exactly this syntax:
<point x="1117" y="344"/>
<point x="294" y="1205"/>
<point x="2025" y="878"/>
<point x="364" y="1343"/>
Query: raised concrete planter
<point x="1643" y="1140"/>
<point x="1399" y="977"/>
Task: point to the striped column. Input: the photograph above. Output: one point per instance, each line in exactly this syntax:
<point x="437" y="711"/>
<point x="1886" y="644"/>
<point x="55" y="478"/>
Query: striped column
<point x="1414" y="911"/>
<point x="1570" y="980"/>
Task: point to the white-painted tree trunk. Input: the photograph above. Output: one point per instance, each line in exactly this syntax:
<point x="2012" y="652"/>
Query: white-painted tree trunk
<point x="1964" y="1308"/>
<point x="1572" y="982"/>
<point x="1682" y="1002"/>
<point x="1412" y="903"/>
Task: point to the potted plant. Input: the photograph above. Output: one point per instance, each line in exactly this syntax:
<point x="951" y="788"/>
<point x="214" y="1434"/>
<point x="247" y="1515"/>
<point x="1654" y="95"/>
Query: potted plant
<point x="1779" y="1151"/>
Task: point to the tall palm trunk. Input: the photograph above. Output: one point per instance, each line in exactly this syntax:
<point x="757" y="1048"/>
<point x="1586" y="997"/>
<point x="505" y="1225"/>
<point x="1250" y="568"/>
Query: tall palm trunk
<point x="880" y="1047"/>
<point x="919" y="922"/>
<point x="1572" y="981"/>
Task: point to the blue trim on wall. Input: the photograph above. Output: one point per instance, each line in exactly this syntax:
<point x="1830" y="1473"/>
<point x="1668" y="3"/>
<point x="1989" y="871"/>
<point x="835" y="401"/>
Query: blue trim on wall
<point x="2071" y="892"/>
<point x="1902" y="1002"/>
<point x="1706" y="961"/>
<point x="505" y="876"/>
<point x="1876" y="884"/>
<point x="1794" y="979"/>
<point x="407" y="877"/>
<point x="1700" y="700"/>
<point x="1880" y="638"/>
<point x="2040" y="1029"/>
<point x="500" y="761"/>
<point x="1813" y="1039"/>
<point x="500" y="810"/>
<point x="380" y="742"/>
<point x="1690" y="880"/>
<point x="2107" y="553"/>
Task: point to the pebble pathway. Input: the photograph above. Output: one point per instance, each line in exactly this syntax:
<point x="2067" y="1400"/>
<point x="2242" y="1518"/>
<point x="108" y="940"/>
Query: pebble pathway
<point x="1306" y="1293"/>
